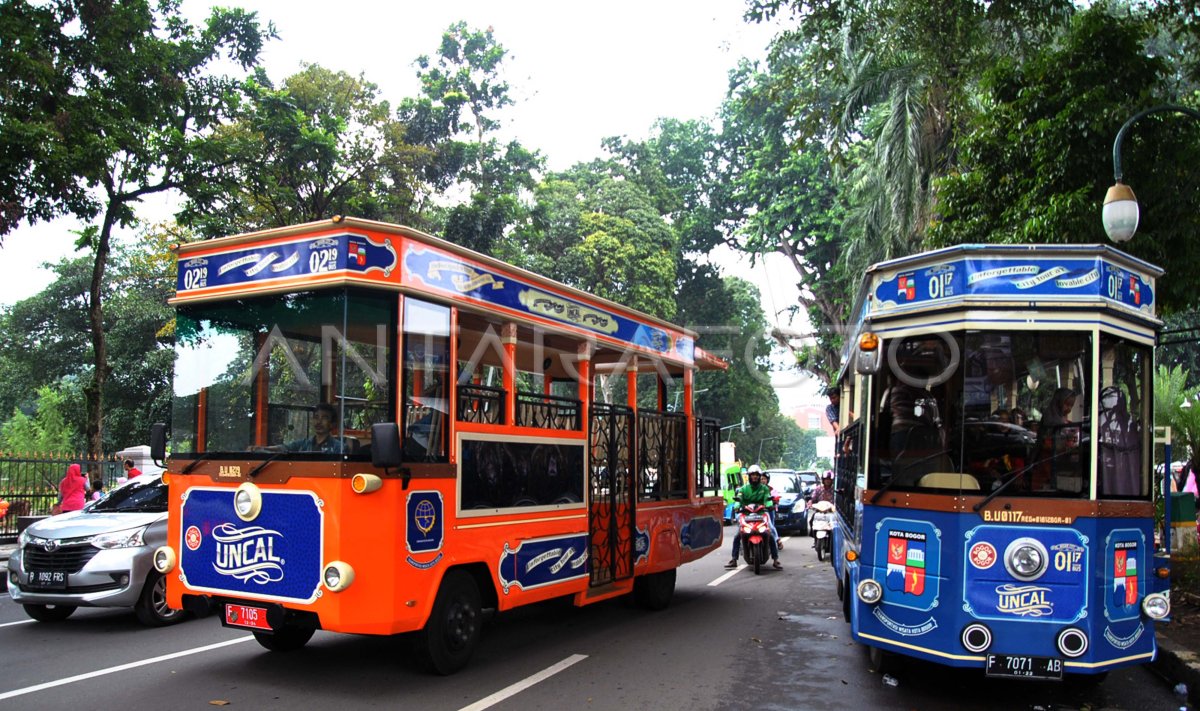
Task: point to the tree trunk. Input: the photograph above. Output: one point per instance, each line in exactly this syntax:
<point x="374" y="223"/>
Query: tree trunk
<point x="94" y="391"/>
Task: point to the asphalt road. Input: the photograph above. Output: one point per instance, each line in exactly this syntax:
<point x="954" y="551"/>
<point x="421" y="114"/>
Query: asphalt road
<point x="728" y="641"/>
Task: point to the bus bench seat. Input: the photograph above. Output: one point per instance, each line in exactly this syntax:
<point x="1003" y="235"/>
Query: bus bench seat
<point x="949" y="480"/>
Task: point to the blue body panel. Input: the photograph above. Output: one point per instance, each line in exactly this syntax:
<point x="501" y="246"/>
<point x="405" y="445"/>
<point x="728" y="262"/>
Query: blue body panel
<point x="942" y="571"/>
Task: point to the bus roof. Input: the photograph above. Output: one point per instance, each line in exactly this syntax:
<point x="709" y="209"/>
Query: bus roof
<point x="1093" y="277"/>
<point x="351" y="251"/>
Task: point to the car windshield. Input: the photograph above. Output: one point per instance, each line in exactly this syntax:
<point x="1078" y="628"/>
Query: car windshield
<point x="149" y="495"/>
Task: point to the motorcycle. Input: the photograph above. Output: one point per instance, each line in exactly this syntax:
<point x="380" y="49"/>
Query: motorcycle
<point x="823" y="522"/>
<point x="755" y="531"/>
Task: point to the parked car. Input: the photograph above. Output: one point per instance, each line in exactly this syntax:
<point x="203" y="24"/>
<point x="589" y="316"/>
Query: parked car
<point x="97" y="557"/>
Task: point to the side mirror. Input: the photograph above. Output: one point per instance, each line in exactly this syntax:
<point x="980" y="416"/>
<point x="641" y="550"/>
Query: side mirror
<point x="385" y="448"/>
<point x="158" y="443"/>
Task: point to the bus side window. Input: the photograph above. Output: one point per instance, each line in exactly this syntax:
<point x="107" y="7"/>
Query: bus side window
<point x="425" y="374"/>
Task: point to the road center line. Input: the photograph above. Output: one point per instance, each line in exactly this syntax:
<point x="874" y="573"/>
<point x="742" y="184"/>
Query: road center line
<point x="18" y="622"/>
<point x="506" y="692"/>
<point x="121" y="667"/>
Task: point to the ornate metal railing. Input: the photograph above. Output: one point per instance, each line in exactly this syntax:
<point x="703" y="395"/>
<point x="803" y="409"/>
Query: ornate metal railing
<point x="662" y="455"/>
<point x="481" y="404"/>
<point x="708" y="456"/>
<point x="548" y="411"/>
<point x="29" y="484"/>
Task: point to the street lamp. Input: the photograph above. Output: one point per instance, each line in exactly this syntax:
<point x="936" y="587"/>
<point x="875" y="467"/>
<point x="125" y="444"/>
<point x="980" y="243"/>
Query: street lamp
<point x="758" y="459"/>
<point x="1120" y="214"/>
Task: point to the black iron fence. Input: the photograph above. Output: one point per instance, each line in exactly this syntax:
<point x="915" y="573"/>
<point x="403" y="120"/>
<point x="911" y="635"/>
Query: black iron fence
<point x="29" y="484"/>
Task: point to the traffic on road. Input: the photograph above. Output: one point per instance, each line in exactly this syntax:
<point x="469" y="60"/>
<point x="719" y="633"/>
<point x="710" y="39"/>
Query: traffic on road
<point x="730" y="639"/>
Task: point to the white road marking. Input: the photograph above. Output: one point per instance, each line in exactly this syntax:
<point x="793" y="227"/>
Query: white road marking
<point x="18" y="622"/>
<point x="740" y="567"/>
<point x="524" y="684"/>
<point x="121" y="667"/>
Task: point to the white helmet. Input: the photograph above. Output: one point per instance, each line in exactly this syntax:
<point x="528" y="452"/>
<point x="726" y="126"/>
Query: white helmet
<point x="754" y="469"/>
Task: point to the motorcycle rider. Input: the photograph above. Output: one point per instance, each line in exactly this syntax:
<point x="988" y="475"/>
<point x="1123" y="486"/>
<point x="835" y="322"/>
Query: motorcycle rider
<point x="756" y="492"/>
<point x="822" y="492"/>
<point x="773" y="510"/>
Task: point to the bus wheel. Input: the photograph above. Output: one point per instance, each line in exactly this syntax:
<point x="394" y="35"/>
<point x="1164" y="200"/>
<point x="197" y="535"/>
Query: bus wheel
<point x="847" y="596"/>
<point x="654" y="591"/>
<point x="879" y="660"/>
<point x="285" y="639"/>
<point x="452" y="632"/>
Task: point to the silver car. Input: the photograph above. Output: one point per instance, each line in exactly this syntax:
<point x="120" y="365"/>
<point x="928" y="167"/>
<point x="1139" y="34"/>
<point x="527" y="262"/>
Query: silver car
<point x="97" y="557"/>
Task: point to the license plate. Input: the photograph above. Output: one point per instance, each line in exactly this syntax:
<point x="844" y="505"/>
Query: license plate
<point x="1023" y="667"/>
<point x="254" y="618"/>
<point x="49" y="579"/>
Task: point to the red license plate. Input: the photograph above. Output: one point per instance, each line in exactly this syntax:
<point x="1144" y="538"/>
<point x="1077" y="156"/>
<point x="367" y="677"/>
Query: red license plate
<point x="254" y="618"/>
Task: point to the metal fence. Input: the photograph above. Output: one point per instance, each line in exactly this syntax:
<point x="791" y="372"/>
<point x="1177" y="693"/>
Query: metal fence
<point x="29" y="483"/>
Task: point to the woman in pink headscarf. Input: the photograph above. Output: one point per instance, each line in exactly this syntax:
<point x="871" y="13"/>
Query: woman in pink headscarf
<point x="72" y="489"/>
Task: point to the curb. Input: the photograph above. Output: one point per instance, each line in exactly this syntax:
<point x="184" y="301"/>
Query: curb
<point x="1179" y="665"/>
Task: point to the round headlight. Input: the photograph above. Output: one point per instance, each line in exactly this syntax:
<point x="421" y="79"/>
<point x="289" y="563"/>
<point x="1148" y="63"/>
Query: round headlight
<point x="1072" y="642"/>
<point x="338" y="576"/>
<point x="247" y="501"/>
<point x="976" y="638"/>
<point x="869" y="591"/>
<point x="1156" y="606"/>
<point x="164" y="559"/>
<point x="1026" y="559"/>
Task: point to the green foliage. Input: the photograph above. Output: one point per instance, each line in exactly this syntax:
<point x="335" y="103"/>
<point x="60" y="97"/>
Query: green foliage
<point x="53" y="427"/>
<point x="320" y="145"/>
<point x="462" y="90"/>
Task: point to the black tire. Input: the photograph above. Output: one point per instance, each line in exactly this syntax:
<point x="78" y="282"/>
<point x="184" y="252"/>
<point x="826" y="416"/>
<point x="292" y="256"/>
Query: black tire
<point x="841" y="589"/>
<point x="49" y="613"/>
<point x="151" y="608"/>
<point x="847" y="597"/>
<point x="285" y="639"/>
<point x="879" y="660"/>
<point x="654" y="591"/>
<point x="821" y="548"/>
<point x="450" y="636"/>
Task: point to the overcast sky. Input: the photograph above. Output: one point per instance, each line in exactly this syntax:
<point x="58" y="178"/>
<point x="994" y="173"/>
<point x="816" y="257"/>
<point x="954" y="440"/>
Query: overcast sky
<point x="578" y="72"/>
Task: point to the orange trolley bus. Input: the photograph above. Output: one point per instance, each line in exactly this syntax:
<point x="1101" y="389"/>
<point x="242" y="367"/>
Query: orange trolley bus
<point x="375" y="431"/>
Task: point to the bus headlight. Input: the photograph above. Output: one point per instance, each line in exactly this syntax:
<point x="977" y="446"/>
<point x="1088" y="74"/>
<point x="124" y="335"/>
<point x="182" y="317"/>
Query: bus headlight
<point x="247" y="501"/>
<point x="1026" y="559"/>
<point x="1156" y="606"/>
<point x="164" y="559"/>
<point x="338" y="576"/>
<point x="869" y="591"/>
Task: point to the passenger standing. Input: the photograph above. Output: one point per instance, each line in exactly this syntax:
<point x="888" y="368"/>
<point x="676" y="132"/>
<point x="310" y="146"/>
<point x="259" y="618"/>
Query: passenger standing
<point x="72" y="489"/>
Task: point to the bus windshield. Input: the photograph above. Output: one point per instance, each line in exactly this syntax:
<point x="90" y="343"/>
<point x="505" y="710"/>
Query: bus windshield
<point x="980" y="411"/>
<point x="301" y="375"/>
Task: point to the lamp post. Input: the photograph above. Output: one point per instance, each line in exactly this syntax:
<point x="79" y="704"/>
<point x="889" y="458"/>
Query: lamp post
<point x="758" y="459"/>
<point x="1120" y="214"/>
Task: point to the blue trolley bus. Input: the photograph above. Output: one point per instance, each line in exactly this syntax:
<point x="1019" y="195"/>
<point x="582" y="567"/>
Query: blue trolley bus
<point x="993" y="471"/>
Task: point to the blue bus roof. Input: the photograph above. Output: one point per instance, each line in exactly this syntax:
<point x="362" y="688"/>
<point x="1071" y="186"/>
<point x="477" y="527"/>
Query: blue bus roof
<point x="1093" y="277"/>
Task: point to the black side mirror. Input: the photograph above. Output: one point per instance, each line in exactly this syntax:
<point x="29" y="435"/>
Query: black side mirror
<point x="385" y="448"/>
<point x="158" y="443"/>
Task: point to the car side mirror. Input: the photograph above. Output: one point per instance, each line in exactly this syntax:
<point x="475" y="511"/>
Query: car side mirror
<point x="158" y="443"/>
<point x="385" y="448"/>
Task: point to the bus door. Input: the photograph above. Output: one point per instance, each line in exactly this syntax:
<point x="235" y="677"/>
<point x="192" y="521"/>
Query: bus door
<point x="612" y="507"/>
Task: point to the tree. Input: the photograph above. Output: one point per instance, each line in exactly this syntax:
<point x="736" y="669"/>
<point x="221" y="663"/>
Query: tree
<point x="44" y="341"/>
<point x="1036" y="164"/>
<point x="462" y="90"/>
<point x="112" y="104"/>
<point x="322" y="144"/>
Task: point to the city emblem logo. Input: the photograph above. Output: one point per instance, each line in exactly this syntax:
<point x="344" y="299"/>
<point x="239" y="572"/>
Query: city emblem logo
<point x="983" y="555"/>
<point x="906" y="562"/>
<point x="1125" y="578"/>
<point x="192" y="538"/>
<point x="425" y="516"/>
